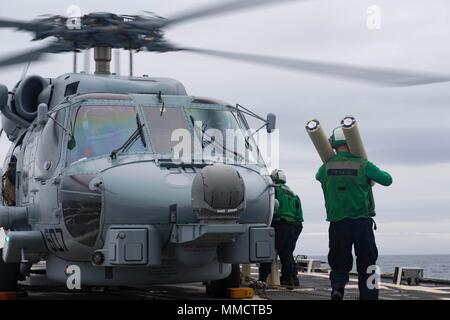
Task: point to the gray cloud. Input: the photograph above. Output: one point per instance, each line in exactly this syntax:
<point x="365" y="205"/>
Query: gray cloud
<point x="412" y="146"/>
<point x="408" y="146"/>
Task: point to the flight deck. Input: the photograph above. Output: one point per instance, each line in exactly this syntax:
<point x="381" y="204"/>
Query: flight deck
<point x="313" y="286"/>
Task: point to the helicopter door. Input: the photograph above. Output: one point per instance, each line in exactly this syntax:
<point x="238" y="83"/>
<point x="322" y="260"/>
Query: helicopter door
<point x="9" y="177"/>
<point x="25" y="167"/>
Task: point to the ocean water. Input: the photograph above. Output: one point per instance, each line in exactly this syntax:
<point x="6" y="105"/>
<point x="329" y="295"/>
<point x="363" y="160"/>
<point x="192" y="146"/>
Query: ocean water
<point x="435" y="266"/>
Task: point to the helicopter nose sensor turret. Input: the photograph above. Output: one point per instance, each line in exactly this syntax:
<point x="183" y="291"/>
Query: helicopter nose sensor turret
<point x="218" y="194"/>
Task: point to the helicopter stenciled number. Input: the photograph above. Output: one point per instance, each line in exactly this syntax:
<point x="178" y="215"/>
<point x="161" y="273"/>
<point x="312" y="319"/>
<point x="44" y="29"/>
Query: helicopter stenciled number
<point x="55" y="240"/>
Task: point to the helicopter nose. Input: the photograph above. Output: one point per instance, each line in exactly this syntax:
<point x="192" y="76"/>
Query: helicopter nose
<point x="144" y="193"/>
<point x="218" y="194"/>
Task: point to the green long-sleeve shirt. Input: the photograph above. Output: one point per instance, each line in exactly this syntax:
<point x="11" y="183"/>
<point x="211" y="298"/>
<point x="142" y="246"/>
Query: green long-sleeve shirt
<point x="346" y="185"/>
<point x="290" y="206"/>
<point x="372" y="172"/>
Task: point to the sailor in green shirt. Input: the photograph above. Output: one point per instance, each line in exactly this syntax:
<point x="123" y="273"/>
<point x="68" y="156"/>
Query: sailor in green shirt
<point x="347" y="188"/>
<point x="287" y="221"/>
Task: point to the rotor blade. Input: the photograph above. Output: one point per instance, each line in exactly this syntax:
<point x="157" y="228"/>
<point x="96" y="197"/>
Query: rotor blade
<point x="220" y="9"/>
<point x="24" y="25"/>
<point x="34" y="55"/>
<point x="381" y="76"/>
<point x="22" y="58"/>
<point x="25" y="70"/>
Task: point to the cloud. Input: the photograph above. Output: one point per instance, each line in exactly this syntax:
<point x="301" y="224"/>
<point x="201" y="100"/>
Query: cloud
<point x="411" y="145"/>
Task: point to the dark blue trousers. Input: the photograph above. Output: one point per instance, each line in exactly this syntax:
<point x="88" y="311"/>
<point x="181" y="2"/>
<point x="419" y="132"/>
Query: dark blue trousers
<point x="343" y="235"/>
<point x="286" y="236"/>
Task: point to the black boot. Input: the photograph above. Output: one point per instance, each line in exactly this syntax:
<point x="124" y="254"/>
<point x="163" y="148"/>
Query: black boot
<point x="290" y="284"/>
<point x="284" y="281"/>
<point x="337" y="294"/>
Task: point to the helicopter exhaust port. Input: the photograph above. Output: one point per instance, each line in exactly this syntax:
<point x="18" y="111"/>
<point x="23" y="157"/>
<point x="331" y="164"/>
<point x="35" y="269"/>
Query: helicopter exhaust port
<point x="21" y="107"/>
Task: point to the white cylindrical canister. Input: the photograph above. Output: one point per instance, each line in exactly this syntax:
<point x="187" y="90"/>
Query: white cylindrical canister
<point x="320" y="140"/>
<point x="353" y="137"/>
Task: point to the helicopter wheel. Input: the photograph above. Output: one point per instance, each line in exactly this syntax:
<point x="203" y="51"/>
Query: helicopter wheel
<point x="9" y="275"/>
<point x="219" y="288"/>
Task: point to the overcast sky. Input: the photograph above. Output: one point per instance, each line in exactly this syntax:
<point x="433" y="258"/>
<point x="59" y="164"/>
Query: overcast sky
<point x="406" y="130"/>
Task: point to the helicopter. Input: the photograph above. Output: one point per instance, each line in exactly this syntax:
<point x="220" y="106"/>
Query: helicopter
<point x="93" y="179"/>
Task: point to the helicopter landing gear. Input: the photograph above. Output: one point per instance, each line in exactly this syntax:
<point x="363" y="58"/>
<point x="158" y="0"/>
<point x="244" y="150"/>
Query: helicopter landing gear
<point x="24" y="270"/>
<point x="219" y="288"/>
<point x="9" y="275"/>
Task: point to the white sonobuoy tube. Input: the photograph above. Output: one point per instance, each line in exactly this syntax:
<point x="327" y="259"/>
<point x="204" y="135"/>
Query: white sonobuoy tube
<point x="320" y="140"/>
<point x="353" y="138"/>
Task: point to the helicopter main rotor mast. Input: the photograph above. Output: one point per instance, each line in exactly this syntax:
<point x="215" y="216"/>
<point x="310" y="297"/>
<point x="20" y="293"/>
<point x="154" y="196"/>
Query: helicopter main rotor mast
<point x="102" y="57"/>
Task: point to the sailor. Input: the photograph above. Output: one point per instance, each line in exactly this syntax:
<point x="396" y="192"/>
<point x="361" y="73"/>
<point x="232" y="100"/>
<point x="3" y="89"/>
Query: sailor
<point x="346" y="183"/>
<point x="288" y="224"/>
<point x="9" y="183"/>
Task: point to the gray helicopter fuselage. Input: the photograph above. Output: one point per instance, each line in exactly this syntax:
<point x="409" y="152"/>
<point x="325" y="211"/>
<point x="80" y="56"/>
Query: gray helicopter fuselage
<point x="136" y="217"/>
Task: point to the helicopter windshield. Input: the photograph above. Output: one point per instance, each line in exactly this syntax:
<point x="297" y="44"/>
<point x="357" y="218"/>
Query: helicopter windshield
<point x="162" y="123"/>
<point x="219" y="134"/>
<point x="223" y="130"/>
<point x="99" y="129"/>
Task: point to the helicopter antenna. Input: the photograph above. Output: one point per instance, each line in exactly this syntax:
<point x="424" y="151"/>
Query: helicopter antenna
<point x="102" y="57"/>
<point x="131" y="63"/>
<point x="25" y="70"/>
<point x="87" y="61"/>
<point x="74" y="61"/>
<point x="117" y="62"/>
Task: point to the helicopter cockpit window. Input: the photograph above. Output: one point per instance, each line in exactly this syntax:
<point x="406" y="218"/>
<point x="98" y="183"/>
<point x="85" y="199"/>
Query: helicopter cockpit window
<point x="48" y="152"/>
<point x="224" y="130"/>
<point x="97" y="130"/>
<point x="162" y="123"/>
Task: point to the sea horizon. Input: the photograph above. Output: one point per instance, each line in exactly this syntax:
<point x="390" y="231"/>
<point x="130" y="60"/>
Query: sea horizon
<point x="436" y="266"/>
<point x="387" y="254"/>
